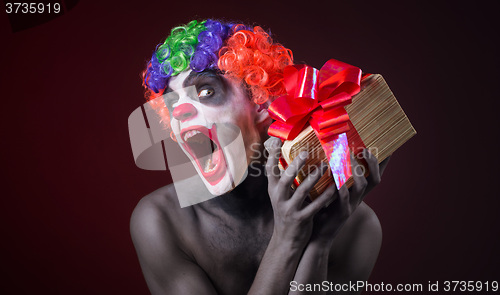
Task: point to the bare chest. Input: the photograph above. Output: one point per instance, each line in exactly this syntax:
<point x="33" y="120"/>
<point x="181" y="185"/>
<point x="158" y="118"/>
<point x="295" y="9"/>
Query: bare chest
<point x="230" y="254"/>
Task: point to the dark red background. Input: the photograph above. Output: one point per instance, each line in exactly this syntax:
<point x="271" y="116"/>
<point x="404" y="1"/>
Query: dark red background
<point x="69" y="182"/>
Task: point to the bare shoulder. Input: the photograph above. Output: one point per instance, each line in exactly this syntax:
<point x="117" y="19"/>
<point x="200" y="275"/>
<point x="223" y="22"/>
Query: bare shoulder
<point x="156" y="228"/>
<point x="161" y="199"/>
<point x="365" y="223"/>
<point x="356" y="248"/>
<point x="156" y="216"/>
<point x="362" y="230"/>
<point x="153" y="207"/>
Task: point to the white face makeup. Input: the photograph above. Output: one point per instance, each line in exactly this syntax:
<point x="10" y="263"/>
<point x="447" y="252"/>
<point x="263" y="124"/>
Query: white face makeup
<point x="214" y="122"/>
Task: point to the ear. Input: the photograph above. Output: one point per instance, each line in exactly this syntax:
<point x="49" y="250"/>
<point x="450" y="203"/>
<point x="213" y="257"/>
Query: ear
<point x="261" y="114"/>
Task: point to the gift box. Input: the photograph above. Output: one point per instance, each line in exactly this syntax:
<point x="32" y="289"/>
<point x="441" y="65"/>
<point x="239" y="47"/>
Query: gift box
<point x="332" y="113"/>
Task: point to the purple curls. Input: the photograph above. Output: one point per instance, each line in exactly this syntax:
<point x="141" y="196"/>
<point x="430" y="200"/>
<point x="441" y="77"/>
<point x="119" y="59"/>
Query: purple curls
<point x="155" y="78"/>
<point x="209" y="43"/>
<point x="202" y="60"/>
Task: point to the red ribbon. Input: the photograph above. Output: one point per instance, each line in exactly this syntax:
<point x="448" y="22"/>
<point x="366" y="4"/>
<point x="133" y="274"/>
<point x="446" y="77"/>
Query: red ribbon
<point x="317" y="97"/>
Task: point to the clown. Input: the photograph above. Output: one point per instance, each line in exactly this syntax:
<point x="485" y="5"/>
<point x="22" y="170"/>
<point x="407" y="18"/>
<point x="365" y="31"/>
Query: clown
<point x="211" y="83"/>
<point x="230" y="70"/>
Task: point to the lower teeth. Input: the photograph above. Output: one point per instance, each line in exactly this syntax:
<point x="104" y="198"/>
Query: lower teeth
<point x="209" y="167"/>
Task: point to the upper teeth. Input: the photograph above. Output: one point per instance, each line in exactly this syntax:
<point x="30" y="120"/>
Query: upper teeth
<point x="190" y="134"/>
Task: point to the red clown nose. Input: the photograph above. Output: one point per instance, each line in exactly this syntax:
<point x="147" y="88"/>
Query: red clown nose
<point x="184" y="112"/>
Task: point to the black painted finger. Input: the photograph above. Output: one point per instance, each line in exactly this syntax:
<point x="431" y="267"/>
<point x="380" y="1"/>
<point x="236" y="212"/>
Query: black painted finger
<point x="360" y="182"/>
<point x="293" y="169"/>
<point x="322" y="201"/>
<point x="307" y="184"/>
<point x="374" y="176"/>
<point x="344" y="203"/>
<point x="273" y="146"/>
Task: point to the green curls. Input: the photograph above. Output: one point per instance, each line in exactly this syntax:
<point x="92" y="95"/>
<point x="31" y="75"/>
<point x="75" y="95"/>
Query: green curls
<point x="174" y="54"/>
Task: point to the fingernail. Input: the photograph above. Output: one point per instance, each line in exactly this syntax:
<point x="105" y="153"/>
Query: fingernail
<point x="270" y="142"/>
<point x="267" y="143"/>
<point x="303" y="155"/>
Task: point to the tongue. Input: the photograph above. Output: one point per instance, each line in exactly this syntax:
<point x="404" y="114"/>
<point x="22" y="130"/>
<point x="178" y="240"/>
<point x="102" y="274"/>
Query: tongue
<point x="212" y="161"/>
<point x="215" y="157"/>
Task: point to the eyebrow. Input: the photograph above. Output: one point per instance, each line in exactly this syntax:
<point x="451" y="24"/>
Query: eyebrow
<point x="193" y="76"/>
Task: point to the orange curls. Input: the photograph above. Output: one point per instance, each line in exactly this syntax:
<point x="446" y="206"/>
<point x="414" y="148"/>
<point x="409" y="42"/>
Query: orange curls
<point x="254" y="58"/>
<point x="156" y="104"/>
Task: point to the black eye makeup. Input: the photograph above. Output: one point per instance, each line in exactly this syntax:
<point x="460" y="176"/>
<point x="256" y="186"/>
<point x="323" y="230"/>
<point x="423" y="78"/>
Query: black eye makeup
<point x="211" y="87"/>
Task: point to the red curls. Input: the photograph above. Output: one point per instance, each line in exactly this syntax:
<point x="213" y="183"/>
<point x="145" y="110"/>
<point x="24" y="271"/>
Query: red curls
<point x="252" y="57"/>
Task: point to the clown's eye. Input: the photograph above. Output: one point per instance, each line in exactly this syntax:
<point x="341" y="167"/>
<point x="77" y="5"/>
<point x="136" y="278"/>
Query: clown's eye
<point x="205" y="93"/>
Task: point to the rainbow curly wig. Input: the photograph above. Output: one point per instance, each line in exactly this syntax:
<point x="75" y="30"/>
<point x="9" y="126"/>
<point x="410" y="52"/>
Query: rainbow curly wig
<point x="238" y="51"/>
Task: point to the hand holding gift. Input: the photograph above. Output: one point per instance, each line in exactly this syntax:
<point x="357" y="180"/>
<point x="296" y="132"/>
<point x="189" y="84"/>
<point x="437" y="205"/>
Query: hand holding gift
<point x="312" y="117"/>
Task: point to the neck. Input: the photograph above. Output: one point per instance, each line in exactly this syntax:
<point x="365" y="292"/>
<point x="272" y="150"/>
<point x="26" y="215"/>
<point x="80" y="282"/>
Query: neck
<point x="248" y="199"/>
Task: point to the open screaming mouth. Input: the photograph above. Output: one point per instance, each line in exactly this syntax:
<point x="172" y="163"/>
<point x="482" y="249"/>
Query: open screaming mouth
<point x="204" y="147"/>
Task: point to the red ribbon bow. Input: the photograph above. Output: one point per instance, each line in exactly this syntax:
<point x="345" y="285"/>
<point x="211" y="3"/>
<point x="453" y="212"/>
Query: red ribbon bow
<point x="317" y="97"/>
